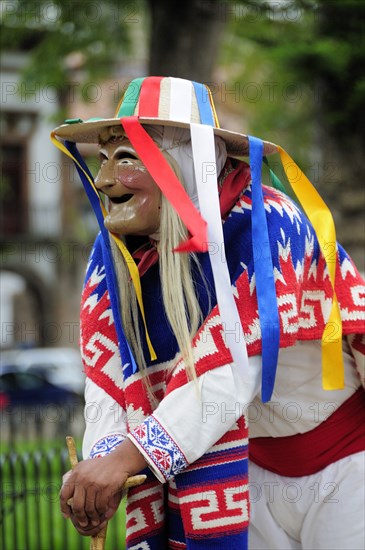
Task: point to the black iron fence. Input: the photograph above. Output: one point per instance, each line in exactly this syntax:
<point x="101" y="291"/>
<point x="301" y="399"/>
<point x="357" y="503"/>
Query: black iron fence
<point x="32" y="461"/>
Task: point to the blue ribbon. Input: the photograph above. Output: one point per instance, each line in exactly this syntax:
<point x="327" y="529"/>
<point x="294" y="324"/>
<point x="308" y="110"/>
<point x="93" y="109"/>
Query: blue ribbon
<point x="264" y="274"/>
<point x="128" y="361"/>
<point x="205" y="109"/>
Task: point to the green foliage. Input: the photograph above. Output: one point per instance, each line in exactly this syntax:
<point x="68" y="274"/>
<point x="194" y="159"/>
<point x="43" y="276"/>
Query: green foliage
<point x="273" y="104"/>
<point x="65" y="36"/>
<point x="294" y="60"/>
<point x="304" y="59"/>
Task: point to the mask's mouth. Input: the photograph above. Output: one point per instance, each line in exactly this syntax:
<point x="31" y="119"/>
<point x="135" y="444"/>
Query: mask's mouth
<point x="122" y="199"/>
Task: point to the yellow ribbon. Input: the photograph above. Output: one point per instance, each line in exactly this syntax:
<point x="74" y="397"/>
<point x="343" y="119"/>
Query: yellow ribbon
<point x="132" y="267"/>
<point x="215" y="116"/>
<point x="333" y="377"/>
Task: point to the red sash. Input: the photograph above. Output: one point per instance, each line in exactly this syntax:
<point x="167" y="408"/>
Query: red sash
<point x="342" y="434"/>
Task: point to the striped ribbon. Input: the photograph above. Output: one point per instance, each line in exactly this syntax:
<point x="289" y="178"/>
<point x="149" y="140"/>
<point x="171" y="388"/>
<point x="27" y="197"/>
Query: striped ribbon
<point x="147" y="92"/>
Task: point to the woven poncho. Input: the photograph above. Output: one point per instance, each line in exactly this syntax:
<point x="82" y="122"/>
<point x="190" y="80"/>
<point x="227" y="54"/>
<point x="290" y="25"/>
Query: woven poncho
<point x="205" y="504"/>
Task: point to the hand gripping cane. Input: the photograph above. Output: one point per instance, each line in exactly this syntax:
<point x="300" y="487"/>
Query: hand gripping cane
<point x="98" y="541"/>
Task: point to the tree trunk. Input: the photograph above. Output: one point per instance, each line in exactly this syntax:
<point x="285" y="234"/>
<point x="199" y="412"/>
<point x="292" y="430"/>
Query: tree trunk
<point x="185" y="38"/>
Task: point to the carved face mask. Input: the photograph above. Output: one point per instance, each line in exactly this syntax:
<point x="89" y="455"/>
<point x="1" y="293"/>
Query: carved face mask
<point x="134" y="200"/>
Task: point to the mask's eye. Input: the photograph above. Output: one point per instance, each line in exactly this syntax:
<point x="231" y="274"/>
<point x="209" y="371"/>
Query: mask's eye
<point x="102" y="159"/>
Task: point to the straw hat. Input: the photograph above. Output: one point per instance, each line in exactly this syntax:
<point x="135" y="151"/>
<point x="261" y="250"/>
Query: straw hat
<point x="164" y="101"/>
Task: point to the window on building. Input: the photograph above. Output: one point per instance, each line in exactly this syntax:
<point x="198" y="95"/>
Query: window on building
<point x="13" y="200"/>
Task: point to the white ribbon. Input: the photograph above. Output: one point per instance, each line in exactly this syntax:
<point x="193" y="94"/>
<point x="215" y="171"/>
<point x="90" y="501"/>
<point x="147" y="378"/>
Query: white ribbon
<point x="202" y="139"/>
<point x="180" y="100"/>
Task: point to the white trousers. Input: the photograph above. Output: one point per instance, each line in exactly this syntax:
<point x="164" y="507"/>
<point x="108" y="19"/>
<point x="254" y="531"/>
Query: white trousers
<point x="323" y="511"/>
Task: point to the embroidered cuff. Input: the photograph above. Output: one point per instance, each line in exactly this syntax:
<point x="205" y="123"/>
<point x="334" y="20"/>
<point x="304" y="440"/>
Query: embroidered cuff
<point x="106" y="445"/>
<point x="160" y="450"/>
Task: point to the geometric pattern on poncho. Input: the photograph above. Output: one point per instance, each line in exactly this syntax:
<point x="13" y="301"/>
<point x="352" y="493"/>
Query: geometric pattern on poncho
<point x="161" y="448"/>
<point x="304" y="296"/>
<point x="303" y="289"/>
<point x="208" y="504"/>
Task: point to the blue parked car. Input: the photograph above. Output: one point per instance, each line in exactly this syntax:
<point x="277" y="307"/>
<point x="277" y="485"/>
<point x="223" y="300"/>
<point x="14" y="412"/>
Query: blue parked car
<point x="19" y="388"/>
<point x="62" y="366"/>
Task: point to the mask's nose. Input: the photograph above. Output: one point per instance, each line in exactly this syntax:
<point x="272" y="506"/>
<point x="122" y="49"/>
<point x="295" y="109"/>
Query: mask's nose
<point x="105" y="178"/>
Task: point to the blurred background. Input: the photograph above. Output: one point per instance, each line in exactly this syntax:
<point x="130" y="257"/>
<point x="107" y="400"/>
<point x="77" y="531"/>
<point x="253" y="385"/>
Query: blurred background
<point x="287" y="71"/>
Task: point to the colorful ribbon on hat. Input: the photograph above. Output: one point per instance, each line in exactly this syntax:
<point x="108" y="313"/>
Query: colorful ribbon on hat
<point x="71" y="151"/>
<point x="145" y="92"/>
<point x="319" y="215"/>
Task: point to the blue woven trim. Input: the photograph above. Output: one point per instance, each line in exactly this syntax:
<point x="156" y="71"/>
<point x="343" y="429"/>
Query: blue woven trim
<point x="160" y="447"/>
<point x="106" y="445"/>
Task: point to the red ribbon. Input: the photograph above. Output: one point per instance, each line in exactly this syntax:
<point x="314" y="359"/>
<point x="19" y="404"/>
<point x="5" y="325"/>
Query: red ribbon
<point x="166" y="179"/>
<point x="149" y="97"/>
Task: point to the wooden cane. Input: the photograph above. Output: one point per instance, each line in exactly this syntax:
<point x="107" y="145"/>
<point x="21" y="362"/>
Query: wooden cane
<point x="98" y="541"/>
